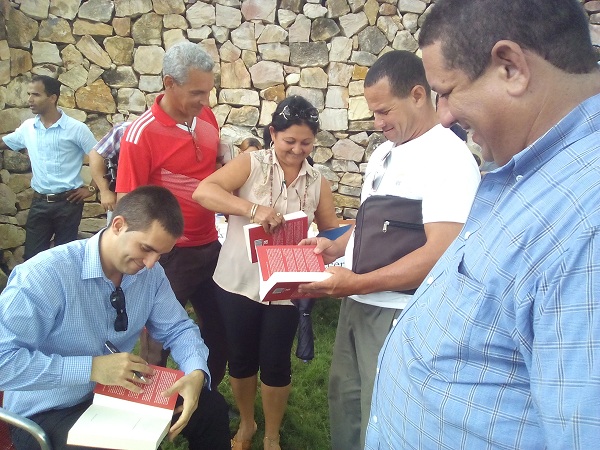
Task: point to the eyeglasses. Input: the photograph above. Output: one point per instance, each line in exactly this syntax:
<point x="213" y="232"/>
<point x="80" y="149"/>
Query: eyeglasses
<point x="193" y="135"/>
<point x="385" y="162"/>
<point x="310" y="114"/>
<point x="117" y="300"/>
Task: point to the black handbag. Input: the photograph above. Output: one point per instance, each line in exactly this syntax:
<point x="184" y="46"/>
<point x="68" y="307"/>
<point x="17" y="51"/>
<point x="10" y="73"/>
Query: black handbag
<point x="387" y="228"/>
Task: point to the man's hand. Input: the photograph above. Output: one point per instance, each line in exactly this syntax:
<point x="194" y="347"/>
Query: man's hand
<point x="79" y="194"/>
<point x="117" y="370"/>
<point x="108" y="199"/>
<point x="327" y="248"/>
<point x="341" y="283"/>
<point x="190" y="388"/>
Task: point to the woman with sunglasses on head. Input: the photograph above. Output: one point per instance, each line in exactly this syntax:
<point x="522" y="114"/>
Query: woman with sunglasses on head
<point x="267" y="184"/>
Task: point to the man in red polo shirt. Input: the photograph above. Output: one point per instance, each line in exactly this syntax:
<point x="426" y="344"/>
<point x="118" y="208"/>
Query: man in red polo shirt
<point x="174" y="144"/>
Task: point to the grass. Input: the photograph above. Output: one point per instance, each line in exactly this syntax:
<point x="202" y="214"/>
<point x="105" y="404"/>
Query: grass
<point x="306" y="422"/>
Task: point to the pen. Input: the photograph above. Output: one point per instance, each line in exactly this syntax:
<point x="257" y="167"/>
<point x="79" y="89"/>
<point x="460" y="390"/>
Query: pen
<point x="111" y="348"/>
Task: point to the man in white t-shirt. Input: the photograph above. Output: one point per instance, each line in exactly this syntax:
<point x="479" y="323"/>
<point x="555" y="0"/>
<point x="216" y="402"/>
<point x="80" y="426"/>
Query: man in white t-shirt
<point x="421" y="161"/>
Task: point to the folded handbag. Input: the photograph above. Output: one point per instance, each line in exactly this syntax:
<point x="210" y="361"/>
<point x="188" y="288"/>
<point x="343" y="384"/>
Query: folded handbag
<point x="387" y="228"/>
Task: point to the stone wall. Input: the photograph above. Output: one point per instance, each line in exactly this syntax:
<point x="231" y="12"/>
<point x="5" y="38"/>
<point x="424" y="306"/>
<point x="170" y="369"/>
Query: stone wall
<point x="107" y="55"/>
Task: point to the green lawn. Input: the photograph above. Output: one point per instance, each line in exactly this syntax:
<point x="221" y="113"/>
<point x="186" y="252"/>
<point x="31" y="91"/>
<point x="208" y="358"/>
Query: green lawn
<point x="306" y="423"/>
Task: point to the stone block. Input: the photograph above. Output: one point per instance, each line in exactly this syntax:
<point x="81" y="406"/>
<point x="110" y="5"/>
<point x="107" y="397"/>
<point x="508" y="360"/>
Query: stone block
<point x="56" y="30"/>
<point x="11" y="236"/>
<point x="45" y="52"/>
<point x="309" y="54"/>
<point x="97" y="10"/>
<point x="260" y="10"/>
<point x="20" y="29"/>
<point x="148" y="60"/>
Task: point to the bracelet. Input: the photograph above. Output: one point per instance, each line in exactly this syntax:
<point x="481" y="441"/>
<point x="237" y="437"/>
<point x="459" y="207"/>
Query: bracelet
<point x="253" y="212"/>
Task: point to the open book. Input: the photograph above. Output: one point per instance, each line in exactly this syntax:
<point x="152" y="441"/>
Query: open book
<point x="284" y="267"/>
<point x="121" y="419"/>
<point x="291" y="232"/>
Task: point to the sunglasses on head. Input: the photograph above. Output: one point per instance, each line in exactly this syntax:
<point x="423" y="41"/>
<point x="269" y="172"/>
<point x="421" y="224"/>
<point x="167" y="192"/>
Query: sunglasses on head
<point x="117" y="300"/>
<point x="310" y="114"/>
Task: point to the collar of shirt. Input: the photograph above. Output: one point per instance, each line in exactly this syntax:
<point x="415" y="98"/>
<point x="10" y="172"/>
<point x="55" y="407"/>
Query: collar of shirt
<point x="61" y="122"/>
<point x="571" y="128"/>
<point x="92" y="264"/>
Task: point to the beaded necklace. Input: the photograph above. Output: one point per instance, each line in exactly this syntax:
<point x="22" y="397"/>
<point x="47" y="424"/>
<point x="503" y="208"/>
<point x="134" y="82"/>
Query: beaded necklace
<point x="271" y="179"/>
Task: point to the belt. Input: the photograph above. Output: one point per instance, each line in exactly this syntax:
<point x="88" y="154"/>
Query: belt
<point x="51" y="198"/>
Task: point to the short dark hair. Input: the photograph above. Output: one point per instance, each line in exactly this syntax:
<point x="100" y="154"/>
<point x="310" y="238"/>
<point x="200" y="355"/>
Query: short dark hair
<point x="403" y="70"/>
<point x="250" y="142"/>
<point x="51" y="85"/>
<point x="147" y="204"/>
<point x="300" y="112"/>
<point x="556" y="30"/>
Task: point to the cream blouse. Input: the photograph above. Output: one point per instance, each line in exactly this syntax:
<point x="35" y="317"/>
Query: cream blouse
<point x="234" y="272"/>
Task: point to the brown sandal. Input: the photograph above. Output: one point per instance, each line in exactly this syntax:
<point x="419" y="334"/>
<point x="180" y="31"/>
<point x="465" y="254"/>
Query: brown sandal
<point x="242" y="444"/>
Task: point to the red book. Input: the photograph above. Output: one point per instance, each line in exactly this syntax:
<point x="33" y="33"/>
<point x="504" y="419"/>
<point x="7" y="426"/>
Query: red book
<point x="284" y="267"/>
<point x="121" y="419"/>
<point x="291" y="232"/>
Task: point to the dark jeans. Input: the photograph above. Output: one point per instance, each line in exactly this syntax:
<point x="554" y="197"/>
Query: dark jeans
<point x="59" y="219"/>
<point x="190" y="271"/>
<point x="207" y="429"/>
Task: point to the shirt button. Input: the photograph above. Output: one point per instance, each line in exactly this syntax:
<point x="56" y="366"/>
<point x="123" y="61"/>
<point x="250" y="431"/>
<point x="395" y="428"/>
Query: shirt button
<point x="374" y="419"/>
<point x="519" y="177"/>
<point x="377" y="369"/>
<point x="429" y="280"/>
<point x="394" y="322"/>
<point x="467" y="235"/>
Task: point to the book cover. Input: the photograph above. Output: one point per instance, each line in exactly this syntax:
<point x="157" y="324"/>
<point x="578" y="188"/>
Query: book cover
<point x="284" y="267"/>
<point x="121" y="419"/>
<point x="334" y="233"/>
<point x="291" y="232"/>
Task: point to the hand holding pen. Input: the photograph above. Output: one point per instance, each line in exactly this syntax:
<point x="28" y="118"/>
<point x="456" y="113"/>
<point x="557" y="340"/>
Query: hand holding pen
<point x="120" y="369"/>
<point x="111" y="348"/>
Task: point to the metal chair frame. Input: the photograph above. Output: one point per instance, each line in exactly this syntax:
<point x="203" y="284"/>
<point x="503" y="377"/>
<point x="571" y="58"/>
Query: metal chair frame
<point x="28" y="425"/>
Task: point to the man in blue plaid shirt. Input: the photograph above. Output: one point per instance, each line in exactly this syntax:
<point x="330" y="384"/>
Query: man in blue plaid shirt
<point x="107" y="148"/>
<point x="500" y="346"/>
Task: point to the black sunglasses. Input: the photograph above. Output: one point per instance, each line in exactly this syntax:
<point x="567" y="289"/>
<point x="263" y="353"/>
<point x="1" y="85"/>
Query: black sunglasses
<point x="385" y="162"/>
<point x="310" y="114"/>
<point x="117" y="300"/>
<point x="196" y="146"/>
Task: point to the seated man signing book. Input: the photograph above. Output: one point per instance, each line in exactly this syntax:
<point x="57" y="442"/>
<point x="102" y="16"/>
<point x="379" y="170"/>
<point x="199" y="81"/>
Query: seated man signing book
<point x="61" y="307"/>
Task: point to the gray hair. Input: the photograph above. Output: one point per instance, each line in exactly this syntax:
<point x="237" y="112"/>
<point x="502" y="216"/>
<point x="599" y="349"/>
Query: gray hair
<point x="184" y="56"/>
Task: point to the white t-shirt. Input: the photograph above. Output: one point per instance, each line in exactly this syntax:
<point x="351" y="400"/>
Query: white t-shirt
<point x="436" y="168"/>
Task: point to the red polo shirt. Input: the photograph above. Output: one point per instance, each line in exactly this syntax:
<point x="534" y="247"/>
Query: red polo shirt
<point x="155" y="150"/>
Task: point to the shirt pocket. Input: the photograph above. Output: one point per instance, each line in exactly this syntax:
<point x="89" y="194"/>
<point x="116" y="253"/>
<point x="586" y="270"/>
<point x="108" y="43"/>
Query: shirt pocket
<point x="445" y="320"/>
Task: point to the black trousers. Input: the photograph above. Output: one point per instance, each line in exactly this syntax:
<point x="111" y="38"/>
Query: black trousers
<point x="59" y="219"/>
<point x="259" y="336"/>
<point x="208" y="428"/>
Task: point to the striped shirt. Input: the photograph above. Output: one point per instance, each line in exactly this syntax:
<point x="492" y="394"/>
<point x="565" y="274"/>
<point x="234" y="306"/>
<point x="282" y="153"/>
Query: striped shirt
<point x="500" y="347"/>
<point x="55" y="316"/>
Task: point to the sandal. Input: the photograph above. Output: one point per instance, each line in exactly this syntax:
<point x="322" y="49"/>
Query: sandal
<point x="239" y="444"/>
<point x="271" y="443"/>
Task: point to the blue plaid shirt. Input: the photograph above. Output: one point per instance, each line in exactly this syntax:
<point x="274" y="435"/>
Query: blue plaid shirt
<point x="55" y="315"/>
<point x="500" y="347"/>
<point x="110" y="145"/>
